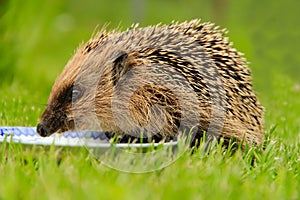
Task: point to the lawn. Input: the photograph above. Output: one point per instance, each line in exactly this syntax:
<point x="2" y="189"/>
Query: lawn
<point x="38" y="38"/>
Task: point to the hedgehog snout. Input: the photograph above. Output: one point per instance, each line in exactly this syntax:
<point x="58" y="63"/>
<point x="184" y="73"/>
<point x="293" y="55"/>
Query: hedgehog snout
<point x="42" y="130"/>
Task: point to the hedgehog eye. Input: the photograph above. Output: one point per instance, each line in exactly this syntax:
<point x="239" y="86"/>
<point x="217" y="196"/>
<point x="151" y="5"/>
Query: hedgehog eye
<point x="77" y="92"/>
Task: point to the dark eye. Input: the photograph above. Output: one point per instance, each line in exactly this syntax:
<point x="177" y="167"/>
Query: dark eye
<point x="77" y="92"/>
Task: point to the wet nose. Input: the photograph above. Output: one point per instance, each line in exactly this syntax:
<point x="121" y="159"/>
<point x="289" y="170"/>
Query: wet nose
<point x="42" y="130"/>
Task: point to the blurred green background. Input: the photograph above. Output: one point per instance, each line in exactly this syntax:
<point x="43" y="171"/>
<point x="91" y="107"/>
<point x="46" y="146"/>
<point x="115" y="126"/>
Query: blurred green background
<point x="38" y="37"/>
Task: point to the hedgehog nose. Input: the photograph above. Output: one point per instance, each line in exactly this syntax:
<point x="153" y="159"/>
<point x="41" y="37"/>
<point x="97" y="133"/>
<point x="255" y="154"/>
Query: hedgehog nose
<point x="42" y="130"/>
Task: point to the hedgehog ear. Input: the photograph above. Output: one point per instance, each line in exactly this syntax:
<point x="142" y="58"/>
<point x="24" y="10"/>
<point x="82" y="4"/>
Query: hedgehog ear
<point x="120" y="67"/>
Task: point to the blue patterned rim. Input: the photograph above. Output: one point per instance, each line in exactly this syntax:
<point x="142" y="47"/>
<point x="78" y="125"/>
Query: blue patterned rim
<point x="28" y="135"/>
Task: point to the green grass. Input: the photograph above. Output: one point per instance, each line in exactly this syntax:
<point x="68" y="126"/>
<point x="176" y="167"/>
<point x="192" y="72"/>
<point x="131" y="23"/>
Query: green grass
<point x="37" y="39"/>
<point x="30" y="171"/>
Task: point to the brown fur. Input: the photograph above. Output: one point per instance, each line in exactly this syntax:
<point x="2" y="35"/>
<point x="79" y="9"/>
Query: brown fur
<point x="109" y="65"/>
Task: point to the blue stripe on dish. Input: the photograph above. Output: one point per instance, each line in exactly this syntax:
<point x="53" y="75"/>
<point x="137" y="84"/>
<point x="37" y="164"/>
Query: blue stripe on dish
<point x="28" y="135"/>
<point x="31" y="131"/>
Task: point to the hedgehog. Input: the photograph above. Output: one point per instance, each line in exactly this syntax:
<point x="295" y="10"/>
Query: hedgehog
<point x="157" y="82"/>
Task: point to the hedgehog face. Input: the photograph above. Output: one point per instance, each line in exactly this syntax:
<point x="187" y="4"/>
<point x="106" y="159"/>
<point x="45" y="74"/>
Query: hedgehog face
<point x="55" y="118"/>
<point x="81" y="95"/>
